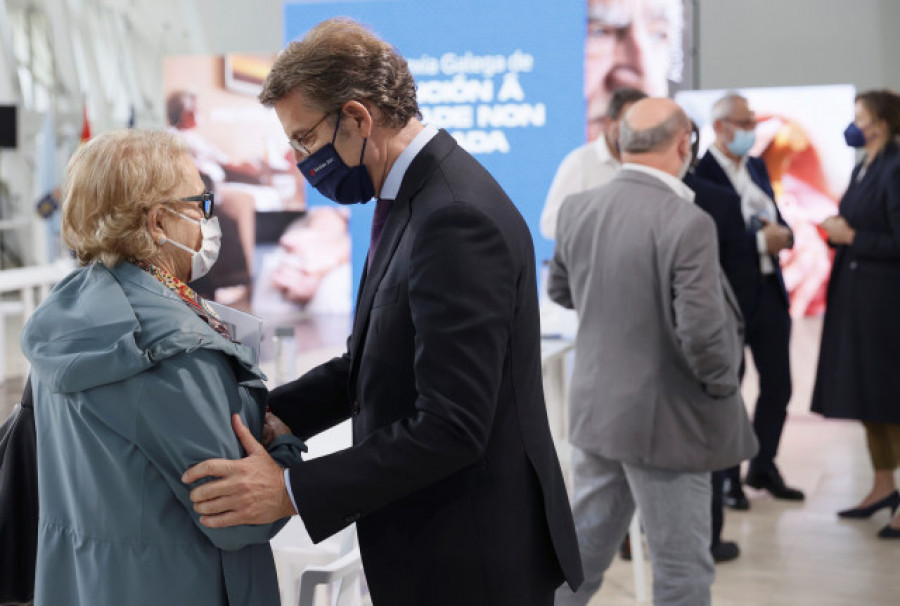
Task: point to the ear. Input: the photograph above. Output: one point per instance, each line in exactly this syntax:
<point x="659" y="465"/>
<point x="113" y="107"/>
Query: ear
<point x="684" y="146"/>
<point x="358" y="117"/>
<point x="611" y="127"/>
<point x="154" y="223"/>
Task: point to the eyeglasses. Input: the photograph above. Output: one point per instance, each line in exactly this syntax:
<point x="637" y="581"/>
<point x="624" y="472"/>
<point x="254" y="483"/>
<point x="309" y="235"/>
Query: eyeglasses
<point x="748" y="124"/>
<point x="297" y="142"/>
<point x="206" y="203"/>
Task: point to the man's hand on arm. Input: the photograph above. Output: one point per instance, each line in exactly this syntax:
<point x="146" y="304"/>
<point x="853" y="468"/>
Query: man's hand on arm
<point x="247" y="491"/>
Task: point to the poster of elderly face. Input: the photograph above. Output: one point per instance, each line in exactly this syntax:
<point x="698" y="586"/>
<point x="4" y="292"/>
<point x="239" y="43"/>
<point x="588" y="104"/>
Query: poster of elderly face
<point x="281" y="256"/>
<point x="799" y="135"/>
<point x="643" y="44"/>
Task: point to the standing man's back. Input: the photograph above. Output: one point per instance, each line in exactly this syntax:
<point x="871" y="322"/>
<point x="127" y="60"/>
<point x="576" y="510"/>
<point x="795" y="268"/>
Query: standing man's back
<point x="637" y="346"/>
<point x="654" y="404"/>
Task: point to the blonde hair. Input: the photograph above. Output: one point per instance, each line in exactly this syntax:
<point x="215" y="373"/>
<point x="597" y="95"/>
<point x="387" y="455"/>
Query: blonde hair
<point x="111" y="183"/>
<point x="339" y="60"/>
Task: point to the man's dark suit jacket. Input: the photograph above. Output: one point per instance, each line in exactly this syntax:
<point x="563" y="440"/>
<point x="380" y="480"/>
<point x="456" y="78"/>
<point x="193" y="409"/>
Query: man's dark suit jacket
<point x="452" y="476"/>
<point x="737" y="253"/>
<point x="708" y="168"/>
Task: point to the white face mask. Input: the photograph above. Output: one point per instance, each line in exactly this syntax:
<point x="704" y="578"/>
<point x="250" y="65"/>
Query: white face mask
<point x="202" y="260"/>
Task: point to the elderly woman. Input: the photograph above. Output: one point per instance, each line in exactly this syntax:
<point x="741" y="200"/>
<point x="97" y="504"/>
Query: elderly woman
<point x="857" y="376"/>
<point x="135" y="379"/>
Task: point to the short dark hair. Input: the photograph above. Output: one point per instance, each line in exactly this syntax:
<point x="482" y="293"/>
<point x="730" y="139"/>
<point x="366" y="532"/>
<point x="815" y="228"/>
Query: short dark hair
<point x="176" y="104"/>
<point x="695" y="142"/>
<point x="620" y="98"/>
<point x="883" y="105"/>
<point x="339" y="60"/>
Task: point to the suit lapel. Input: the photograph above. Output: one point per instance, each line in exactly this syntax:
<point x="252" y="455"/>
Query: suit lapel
<point x="394" y="227"/>
<point x="714" y="171"/>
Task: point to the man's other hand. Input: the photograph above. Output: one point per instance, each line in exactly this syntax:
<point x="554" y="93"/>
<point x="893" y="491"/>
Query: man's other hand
<point x="247" y="491"/>
<point x="778" y="237"/>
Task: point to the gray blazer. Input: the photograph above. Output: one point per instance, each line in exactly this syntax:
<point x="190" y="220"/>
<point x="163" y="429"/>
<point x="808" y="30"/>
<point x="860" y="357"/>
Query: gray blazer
<point x="659" y="337"/>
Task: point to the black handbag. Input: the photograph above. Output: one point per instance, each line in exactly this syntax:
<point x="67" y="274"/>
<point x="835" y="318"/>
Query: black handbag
<point x="18" y="503"/>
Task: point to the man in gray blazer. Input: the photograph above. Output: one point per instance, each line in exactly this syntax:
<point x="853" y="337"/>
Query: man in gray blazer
<point x="655" y="402"/>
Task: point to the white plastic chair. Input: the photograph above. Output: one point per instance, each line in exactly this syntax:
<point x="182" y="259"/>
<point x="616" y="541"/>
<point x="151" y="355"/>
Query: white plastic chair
<point x="342" y="575"/>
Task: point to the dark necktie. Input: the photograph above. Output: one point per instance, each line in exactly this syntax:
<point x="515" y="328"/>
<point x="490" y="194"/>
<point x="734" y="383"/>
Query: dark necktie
<point x="382" y="209"/>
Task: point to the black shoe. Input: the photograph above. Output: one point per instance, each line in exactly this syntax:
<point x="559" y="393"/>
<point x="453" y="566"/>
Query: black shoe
<point x="625" y="549"/>
<point x="771" y="481"/>
<point x="734" y="497"/>
<point x="859" y="513"/>
<point x="889" y="533"/>
<point x="725" y="551"/>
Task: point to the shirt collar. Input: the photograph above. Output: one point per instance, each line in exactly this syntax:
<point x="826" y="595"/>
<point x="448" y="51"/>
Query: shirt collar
<point x="731" y="169"/>
<point x="681" y="190"/>
<point x="602" y="151"/>
<point x="391" y="186"/>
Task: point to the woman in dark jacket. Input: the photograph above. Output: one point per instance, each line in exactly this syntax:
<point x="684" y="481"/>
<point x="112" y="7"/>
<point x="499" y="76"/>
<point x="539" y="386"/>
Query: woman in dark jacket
<point x="858" y="377"/>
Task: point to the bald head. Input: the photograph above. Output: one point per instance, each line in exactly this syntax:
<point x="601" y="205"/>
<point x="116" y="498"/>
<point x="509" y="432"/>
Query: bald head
<point x="656" y="132"/>
<point x="652" y="125"/>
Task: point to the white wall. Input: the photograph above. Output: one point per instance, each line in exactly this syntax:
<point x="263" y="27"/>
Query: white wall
<point x="750" y="43"/>
<point x="742" y="43"/>
<point x="240" y="26"/>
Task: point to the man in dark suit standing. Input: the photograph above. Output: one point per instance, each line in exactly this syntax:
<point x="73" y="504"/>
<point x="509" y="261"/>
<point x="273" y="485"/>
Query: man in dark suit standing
<point x="739" y="261"/>
<point x="452" y="478"/>
<point x="767" y="304"/>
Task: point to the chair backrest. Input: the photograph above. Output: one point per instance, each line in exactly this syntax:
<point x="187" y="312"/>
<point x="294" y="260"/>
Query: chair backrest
<point x="342" y="575"/>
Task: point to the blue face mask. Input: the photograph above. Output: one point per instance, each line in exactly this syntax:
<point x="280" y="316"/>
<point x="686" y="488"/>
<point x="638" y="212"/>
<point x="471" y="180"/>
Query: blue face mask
<point x="854" y="136"/>
<point x="333" y="178"/>
<point x="742" y="142"/>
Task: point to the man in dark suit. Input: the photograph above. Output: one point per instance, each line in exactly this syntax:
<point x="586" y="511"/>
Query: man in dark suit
<point x="738" y="261"/>
<point x="452" y="478"/>
<point x="766" y="301"/>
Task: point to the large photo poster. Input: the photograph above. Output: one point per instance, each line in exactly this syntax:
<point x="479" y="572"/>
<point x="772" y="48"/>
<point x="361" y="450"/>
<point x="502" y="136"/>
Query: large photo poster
<point x="282" y="256"/>
<point x="643" y="44"/>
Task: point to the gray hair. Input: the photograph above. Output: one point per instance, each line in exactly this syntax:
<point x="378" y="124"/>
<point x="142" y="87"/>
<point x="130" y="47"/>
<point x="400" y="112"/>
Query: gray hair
<point x="111" y="183"/>
<point x="723" y="108"/>
<point x="653" y="139"/>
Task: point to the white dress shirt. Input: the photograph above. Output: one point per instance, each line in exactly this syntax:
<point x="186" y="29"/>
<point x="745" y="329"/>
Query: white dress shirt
<point x="754" y="202"/>
<point x="671" y="181"/>
<point x="586" y="167"/>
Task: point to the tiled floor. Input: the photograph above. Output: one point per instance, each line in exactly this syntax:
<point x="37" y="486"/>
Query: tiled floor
<point x="801" y="554"/>
<point x="792" y="554"/>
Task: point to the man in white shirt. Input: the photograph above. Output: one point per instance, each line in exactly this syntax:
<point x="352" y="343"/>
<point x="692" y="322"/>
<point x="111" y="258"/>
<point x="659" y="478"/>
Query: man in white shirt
<point x="590" y="165"/>
<point x="769" y="321"/>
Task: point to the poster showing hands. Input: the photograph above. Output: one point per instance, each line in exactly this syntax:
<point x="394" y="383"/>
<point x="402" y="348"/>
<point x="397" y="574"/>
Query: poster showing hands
<point x="280" y="256"/>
